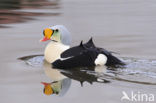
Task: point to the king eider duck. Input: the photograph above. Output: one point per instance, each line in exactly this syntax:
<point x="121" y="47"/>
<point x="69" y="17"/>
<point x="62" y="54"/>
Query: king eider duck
<point x="59" y="53"/>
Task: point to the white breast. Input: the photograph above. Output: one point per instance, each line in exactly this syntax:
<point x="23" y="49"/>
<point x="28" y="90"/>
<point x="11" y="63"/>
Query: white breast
<point x="53" y="51"/>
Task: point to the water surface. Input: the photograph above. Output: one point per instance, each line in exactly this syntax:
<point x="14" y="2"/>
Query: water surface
<point x="126" y="27"/>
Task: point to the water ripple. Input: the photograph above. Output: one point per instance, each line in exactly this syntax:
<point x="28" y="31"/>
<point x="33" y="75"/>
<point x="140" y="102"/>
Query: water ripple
<point x="142" y="71"/>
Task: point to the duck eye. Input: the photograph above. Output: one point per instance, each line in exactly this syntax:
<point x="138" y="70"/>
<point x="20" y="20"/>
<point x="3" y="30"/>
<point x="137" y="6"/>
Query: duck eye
<point x="56" y="30"/>
<point x="57" y="92"/>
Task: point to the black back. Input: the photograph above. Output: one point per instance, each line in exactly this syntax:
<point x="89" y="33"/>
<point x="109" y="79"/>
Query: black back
<point x="74" y="51"/>
<point x="85" y="58"/>
<point x="84" y="55"/>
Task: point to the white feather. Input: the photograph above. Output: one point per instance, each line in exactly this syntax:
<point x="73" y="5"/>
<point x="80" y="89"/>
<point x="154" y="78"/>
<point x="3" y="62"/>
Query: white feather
<point x="65" y="58"/>
<point x="100" y="60"/>
<point x="53" y="51"/>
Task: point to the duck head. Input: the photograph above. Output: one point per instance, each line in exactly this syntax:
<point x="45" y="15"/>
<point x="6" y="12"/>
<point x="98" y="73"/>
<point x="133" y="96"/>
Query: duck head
<point x="57" y="33"/>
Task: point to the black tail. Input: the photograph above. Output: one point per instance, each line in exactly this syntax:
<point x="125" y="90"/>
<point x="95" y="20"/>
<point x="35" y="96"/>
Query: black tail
<point x="114" y="61"/>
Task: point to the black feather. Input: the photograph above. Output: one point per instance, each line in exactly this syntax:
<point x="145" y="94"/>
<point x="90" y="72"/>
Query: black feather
<point x="83" y="59"/>
<point x="72" y="51"/>
<point x="84" y="55"/>
<point x="81" y="44"/>
<point x="90" y="44"/>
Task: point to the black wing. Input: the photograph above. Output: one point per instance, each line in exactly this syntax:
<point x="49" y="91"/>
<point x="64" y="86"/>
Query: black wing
<point x="111" y="59"/>
<point x="85" y="58"/>
<point x="85" y="55"/>
<point x="74" y="51"/>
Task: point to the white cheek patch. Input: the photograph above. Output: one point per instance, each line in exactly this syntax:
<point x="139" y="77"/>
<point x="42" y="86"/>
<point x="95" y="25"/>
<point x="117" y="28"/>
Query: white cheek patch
<point x="100" y="60"/>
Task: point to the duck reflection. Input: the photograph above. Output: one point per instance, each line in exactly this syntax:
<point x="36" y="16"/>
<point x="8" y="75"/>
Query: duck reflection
<point x="62" y="78"/>
<point x="53" y="74"/>
<point x="60" y="84"/>
<point x="56" y="87"/>
<point x="86" y="74"/>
